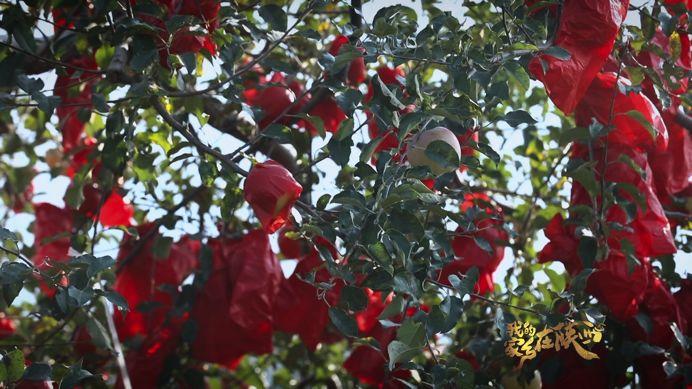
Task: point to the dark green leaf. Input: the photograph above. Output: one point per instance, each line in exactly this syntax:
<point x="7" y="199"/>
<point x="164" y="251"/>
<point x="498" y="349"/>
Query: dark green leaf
<point x="14" y="361"/>
<point x="343" y="322"/>
<point x="442" y="154"/>
<point x="37" y="371"/>
<point x="518" y="117"/>
<point x="274" y="16"/>
<point x="557" y="52"/>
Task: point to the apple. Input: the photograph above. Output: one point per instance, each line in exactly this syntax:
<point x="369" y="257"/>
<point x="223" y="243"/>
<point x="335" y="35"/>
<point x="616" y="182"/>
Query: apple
<point x="416" y="151"/>
<point x="511" y="381"/>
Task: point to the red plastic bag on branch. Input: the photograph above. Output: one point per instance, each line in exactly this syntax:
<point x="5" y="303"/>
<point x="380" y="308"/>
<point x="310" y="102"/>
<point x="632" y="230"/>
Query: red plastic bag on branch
<point x="299" y="309"/>
<point x="75" y="91"/>
<point x="52" y="232"/>
<point x="634" y="116"/>
<point x="367" y="364"/>
<point x="356" y="71"/>
<point x="146" y="281"/>
<point x="183" y="40"/>
<point x="330" y="113"/>
<point x="661" y="308"/>
<point x="587" y="31"/>
<point x="275" y="96"/>
<point x="615" y="284"/>
<point x="234" y="311"/>
<point x="567" y="370"/>
<point x="271" y="190"/>
<point x="471" y="246"/>
<point x="649" y="232"/>
<point x="652" y="375"/>
<point x="672" y="169"/>
<point x="145" y="365"/>
<point x="114" y="211"/>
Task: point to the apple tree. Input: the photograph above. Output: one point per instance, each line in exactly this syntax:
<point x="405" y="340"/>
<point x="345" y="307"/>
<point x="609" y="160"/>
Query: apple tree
<point x="336" y="194"/>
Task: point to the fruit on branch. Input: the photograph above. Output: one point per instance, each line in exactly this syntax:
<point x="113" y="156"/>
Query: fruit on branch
<point x="142" y="279"/>
<point x="114" y="211"/>
<point x="75" y="91"/>
<point x="234" y="311"/>
<point x="300" y="309"/>
<point x="633" y="114"/>
<point x="330" y="113"/>
<point x="647" y="229"/>
<point x="356" y="71"/>
<point x="274" y="99"/>
<point x="587" y="32"/>
<point x="482" y="247"/>
<point x="271" y="191"/>
<point x="52" y="231"/>
<point x="292" y="248"/>
<point x="417" y="155"/>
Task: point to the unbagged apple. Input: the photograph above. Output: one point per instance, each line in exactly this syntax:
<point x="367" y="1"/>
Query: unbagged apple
<point x="418" y="157"/>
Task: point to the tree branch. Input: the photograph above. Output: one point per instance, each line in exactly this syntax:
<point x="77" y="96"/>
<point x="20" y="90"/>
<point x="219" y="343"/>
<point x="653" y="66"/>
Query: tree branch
<point x="226" y="121"/>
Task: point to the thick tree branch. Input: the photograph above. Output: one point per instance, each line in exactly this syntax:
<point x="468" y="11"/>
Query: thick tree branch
<point x="226" y="121"/>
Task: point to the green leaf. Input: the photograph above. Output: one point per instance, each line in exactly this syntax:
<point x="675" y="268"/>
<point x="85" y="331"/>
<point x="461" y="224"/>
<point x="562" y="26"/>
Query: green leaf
<point x="483" y="244"/>
<point x="557" y="281"/>
<point x="557" y="52"/>
<point x="323" y="201"/>
<point x="353" y="298"/>
<point x="162" y="246"/>
<point x="74" y="376"/>
<point x="406" y="282"/>
<point x="12" y="272"/>
<point x="349" y="100"/>
<point x="517" y="117"/>
<point x="6" y="234"/>
<point x="274" y="16"/>
<point x="442" y="154"/>
<point x="641" y="119"/>
<point x="392" y="309"/>
<point x="340" y="151"/>
<point x="378" y="252"/>
<point x="408" y="122"/>
<point x="281" y="133"/>
<point x="411" y="333"/>
<point x="117" y="299"/>
<point x="343" y="322"/>
<point x="346" y="55"/>
<point x="579" y="282"/>
<point x="369" y="149"/>
<point x="584" y="174"/>
<point x="14" y="361"/>
<point x="588" y="247"/>
<point x="391" y="97"/>
<point x="98" y="333"/>
<point x="94" y="265"/>
<point x="144" y="52"/>
<point x="400" y="352"/>
<point x="465" y="285"/>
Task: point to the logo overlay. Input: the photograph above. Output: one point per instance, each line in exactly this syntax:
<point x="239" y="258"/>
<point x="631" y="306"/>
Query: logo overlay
<point x="525" y="342"/>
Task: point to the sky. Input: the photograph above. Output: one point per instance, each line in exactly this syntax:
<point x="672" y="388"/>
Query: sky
<point x="52" y="190"/>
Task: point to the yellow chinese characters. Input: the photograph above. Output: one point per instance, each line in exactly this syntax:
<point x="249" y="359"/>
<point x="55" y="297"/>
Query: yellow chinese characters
<point x="525" y="342"/>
